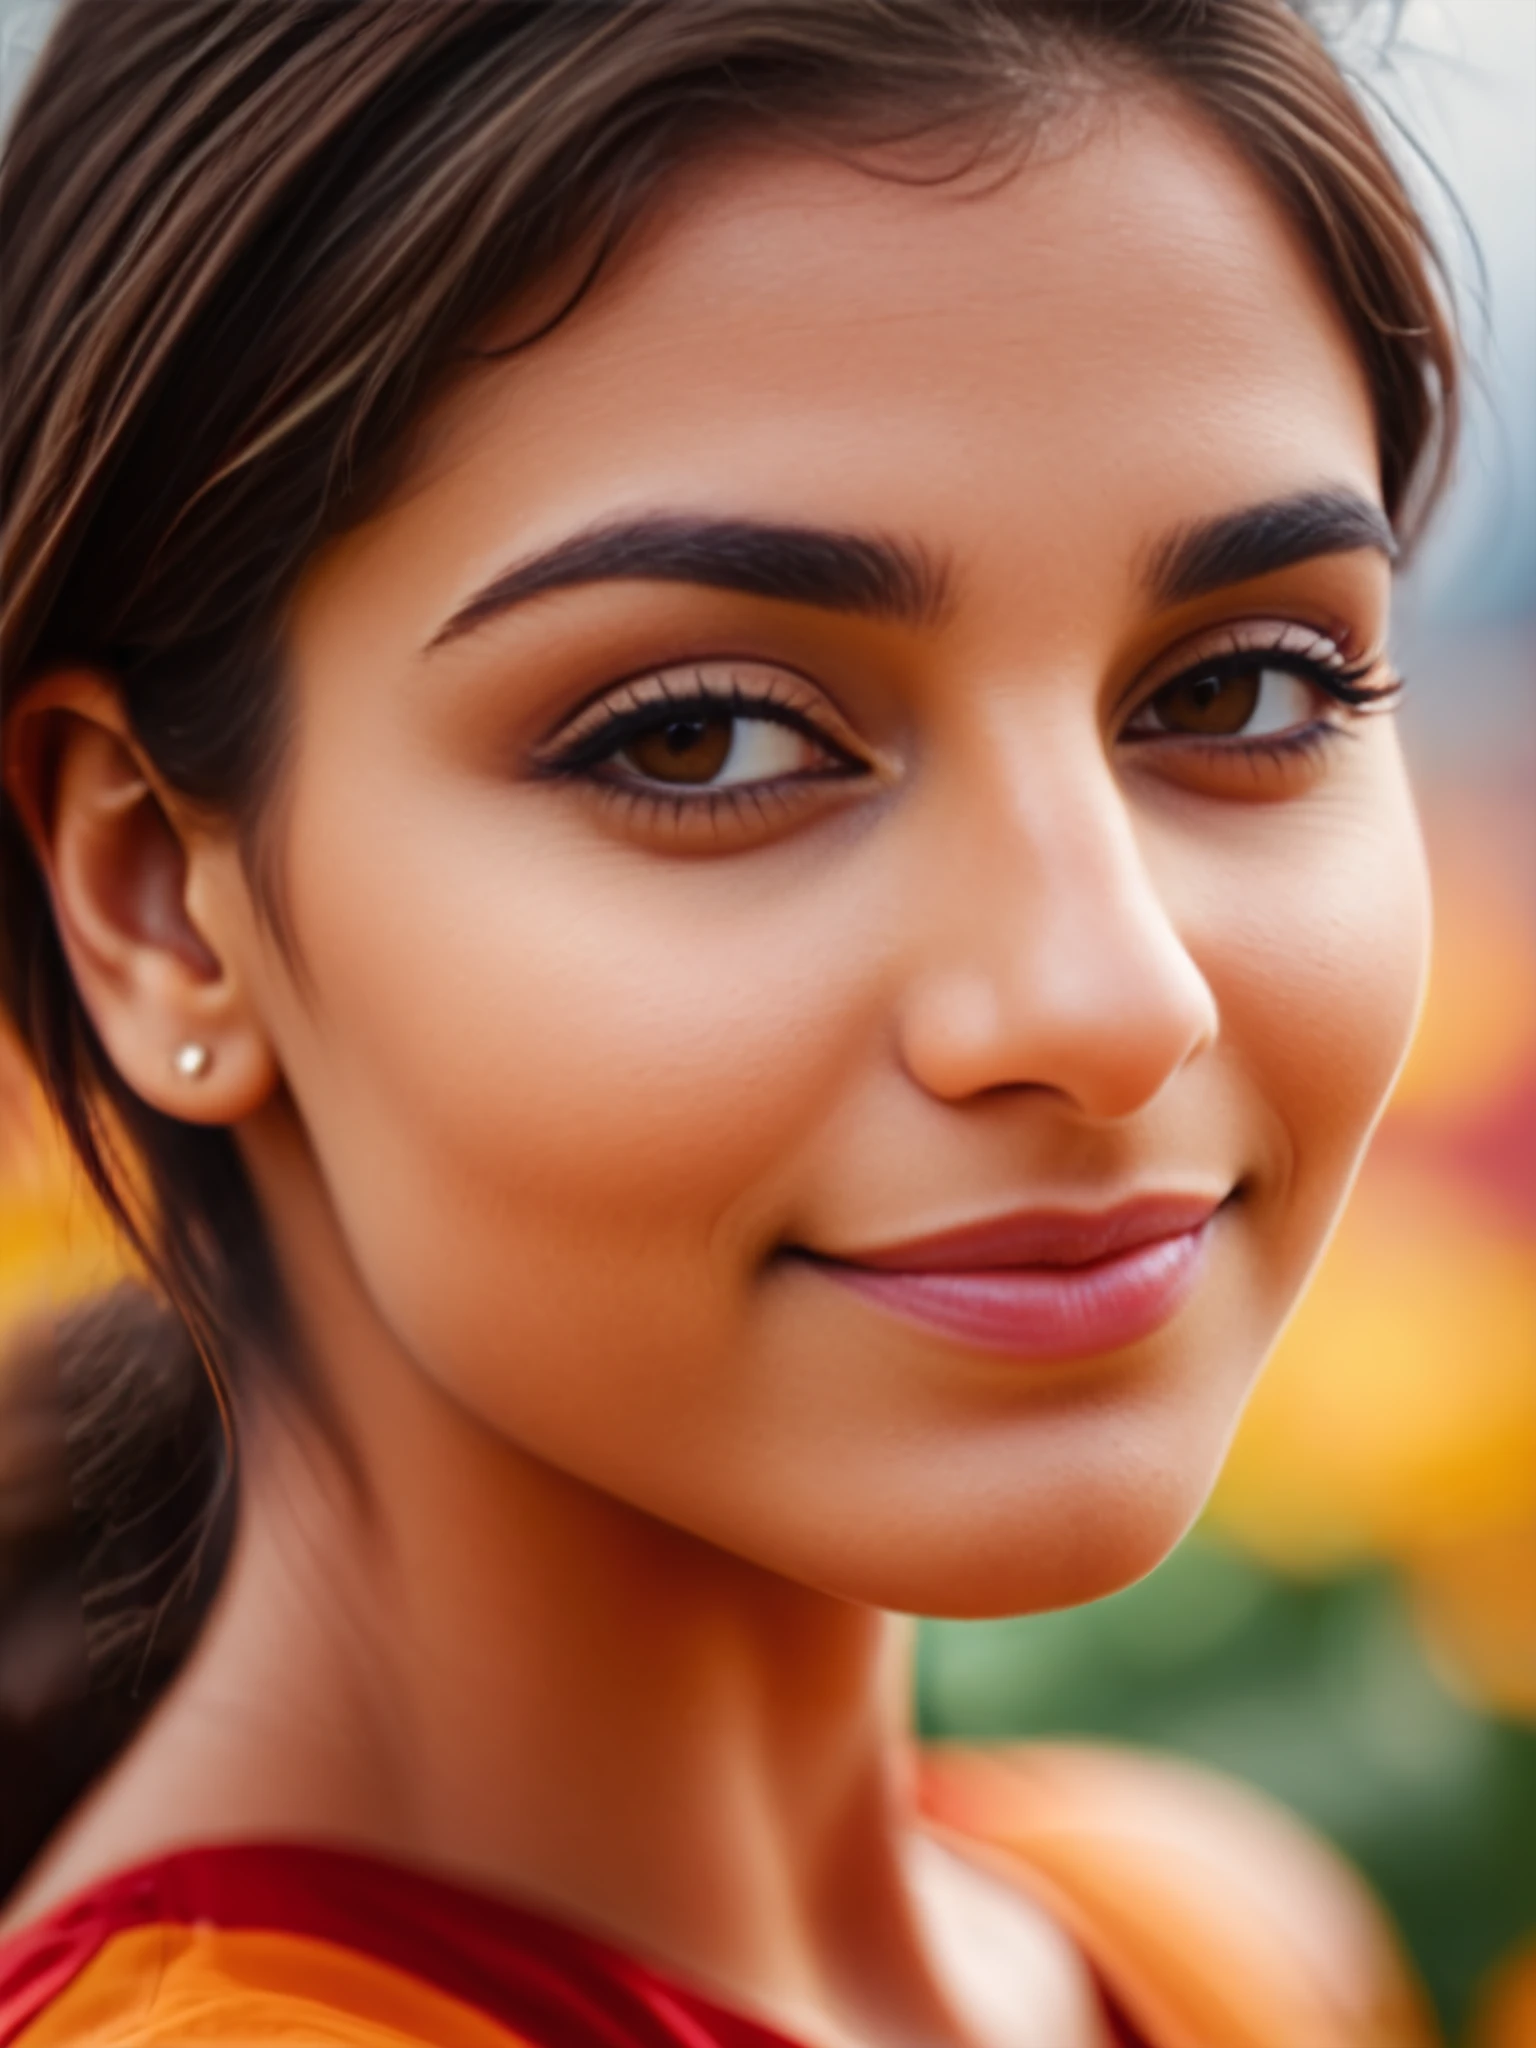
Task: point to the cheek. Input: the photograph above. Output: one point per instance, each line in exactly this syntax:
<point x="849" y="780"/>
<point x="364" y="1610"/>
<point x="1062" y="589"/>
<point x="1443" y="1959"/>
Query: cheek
<point x="1315" y="939"/>
<point x="570" y="1077"/>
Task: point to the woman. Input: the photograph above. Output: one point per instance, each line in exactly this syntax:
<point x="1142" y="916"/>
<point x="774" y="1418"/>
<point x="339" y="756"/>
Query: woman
<point x="700" y="836"/>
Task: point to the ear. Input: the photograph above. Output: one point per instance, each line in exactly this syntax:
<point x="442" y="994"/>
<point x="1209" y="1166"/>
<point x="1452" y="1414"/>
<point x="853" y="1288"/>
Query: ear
<point x="123" y="863"/>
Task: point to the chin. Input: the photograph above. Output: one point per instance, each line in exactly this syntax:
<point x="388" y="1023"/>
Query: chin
<point x="1055" y="1543"/>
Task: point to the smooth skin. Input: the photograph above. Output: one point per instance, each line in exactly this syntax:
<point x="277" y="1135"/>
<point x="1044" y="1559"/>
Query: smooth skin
<point x="547" y="1079"/>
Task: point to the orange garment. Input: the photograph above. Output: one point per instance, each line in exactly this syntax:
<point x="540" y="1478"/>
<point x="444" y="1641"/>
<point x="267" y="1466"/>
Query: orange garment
<point x="1215" y="1919"/>
<point x="1211" y="1919"/>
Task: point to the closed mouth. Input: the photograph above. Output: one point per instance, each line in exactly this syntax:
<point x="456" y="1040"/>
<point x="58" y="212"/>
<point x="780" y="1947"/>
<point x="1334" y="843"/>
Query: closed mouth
<point x="1043" y="1284"/>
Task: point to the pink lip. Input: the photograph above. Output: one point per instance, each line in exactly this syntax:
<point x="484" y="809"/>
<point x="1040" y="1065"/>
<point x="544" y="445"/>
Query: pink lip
<point x="1055" y="1285"/>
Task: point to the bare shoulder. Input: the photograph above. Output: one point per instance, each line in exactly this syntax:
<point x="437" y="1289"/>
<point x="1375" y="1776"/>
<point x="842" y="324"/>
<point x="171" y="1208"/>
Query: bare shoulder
<point x="1214" y="1912"/>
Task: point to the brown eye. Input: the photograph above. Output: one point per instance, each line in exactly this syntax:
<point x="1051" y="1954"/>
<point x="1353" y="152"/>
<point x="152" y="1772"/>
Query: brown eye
<point x="683" y="750"/>
<point x="691" y="748"/>
<point x="695" y="741"/>
<point x="1210" y="703"/>
<point x="1255" y="701"/>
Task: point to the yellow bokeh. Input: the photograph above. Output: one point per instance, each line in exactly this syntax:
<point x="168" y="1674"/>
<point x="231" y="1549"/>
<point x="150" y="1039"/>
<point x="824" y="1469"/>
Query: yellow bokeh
<point x="1397" y="1420"/>
<point x="1399" y="1412"/>
<point x="55" y="1242"/>
<point x="1475" y="1600"/>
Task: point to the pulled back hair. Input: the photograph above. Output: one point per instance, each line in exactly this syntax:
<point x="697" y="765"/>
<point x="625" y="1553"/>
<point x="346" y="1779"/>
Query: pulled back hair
<point x="245" y="244"/>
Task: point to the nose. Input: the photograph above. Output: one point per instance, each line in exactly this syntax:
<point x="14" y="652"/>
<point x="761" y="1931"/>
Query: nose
<point x="1049" y="959"/>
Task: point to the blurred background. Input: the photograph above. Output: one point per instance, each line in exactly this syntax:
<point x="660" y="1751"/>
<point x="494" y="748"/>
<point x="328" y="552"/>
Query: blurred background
<point x="1353" y="1625"/>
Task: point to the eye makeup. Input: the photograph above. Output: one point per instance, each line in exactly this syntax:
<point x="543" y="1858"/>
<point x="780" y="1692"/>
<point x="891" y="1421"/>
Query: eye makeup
<point x="712" y="742"/>
<point x="707" y="743"/>
<point x="1262" y="686"/>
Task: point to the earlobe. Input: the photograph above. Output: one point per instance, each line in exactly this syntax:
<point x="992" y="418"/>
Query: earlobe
<point x="166" y="1004"/>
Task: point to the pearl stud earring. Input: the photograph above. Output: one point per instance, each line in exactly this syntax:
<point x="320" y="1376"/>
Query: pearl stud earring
<point x="192" y="1060"/>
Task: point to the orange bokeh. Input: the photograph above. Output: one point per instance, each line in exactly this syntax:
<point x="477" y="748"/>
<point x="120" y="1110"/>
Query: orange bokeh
<point x="1506" y="2015"/>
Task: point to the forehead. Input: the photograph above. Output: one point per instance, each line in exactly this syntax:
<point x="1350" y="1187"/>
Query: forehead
<point x="1122" y="335"/>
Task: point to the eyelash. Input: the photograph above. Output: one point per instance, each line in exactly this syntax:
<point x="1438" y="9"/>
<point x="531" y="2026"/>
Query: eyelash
<point x="618" y="726"/>
<point x="577" y="760"/>
<point x="1344" y="682"/>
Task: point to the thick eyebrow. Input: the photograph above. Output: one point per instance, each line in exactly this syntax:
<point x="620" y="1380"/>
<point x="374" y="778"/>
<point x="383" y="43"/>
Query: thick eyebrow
<point x="1260" y="539"/>
<point x="867" y="574"/>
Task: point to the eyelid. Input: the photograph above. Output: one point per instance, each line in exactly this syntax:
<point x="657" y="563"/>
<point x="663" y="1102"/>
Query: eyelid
<point x="1250" y="635"/>
<point x="1308" y="643"/>
<point x="750" y="687"/>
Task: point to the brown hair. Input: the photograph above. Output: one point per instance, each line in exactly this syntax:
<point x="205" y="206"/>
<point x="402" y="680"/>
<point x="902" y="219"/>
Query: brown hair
<point x="245" y="243"/>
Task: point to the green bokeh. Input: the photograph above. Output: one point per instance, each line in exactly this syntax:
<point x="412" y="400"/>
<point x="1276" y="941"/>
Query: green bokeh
<point x="1317" y="1693"/>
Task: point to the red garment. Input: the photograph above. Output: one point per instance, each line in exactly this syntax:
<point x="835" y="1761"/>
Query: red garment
<point x="1210" y="1917"/>
<point x="546" y="1984"/>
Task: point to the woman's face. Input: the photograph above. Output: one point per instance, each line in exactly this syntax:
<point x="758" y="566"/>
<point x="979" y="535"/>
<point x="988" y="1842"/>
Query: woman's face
<point x="843" y="741"/>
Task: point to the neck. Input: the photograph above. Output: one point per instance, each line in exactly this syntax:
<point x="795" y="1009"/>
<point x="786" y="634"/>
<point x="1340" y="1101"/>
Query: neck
<point x="464" y="1658"/>
<point x="516" y="1678"/>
